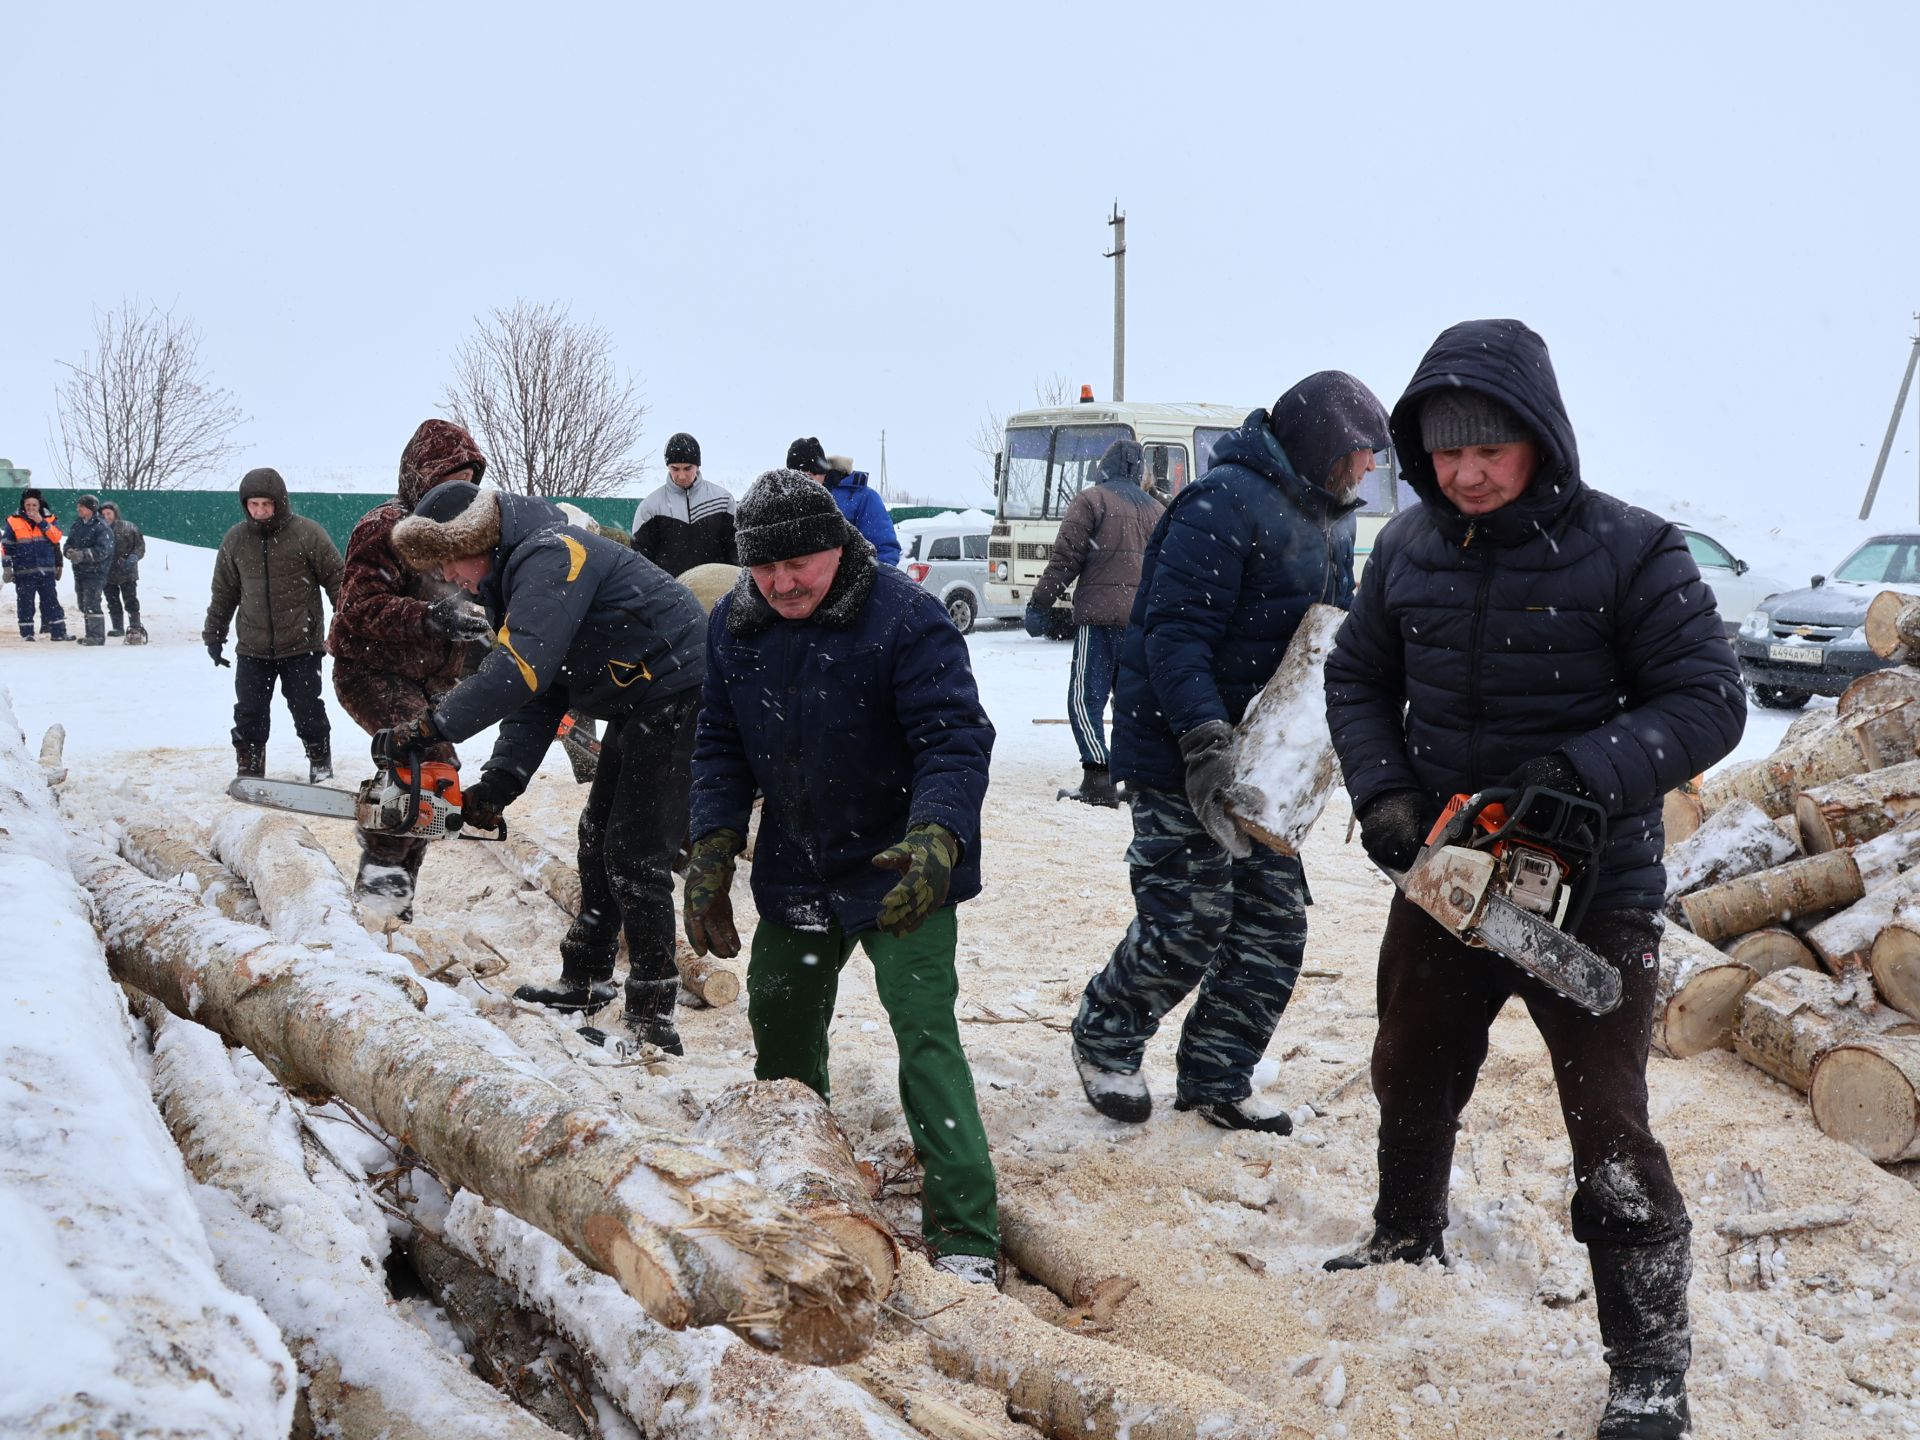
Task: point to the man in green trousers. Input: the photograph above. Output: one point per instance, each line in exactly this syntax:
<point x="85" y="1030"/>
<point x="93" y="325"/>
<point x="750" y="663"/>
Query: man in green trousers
<point x="839" y="690"/>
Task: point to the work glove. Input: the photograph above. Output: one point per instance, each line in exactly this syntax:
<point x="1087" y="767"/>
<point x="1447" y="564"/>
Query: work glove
<point x="453" y="618"/>
<point x="1034" y="621"/>
<point x="1552" y="771"/>
<point x="482" y="804"/>
<point x="1208" y="751"/>
<point x="6" y="574"/>
<point x="216" y="649"/>
<point x="709" y="897"/>
<point x="1392" y="831"/>
<point x="925" y="858"/>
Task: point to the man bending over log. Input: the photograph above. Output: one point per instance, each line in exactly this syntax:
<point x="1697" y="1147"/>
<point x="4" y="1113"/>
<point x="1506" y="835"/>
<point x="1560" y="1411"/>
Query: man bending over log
<point x="840" y="691"/>
<point x="1518" y="628"/>
<point x="1232" y="567"/>
<point x="584" y="624"/>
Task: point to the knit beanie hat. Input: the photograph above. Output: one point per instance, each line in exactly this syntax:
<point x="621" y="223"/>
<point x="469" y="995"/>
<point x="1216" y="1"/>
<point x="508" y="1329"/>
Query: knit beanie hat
<point x="454" y="520"/>
<point x="785" y="515"/>
<point x="807" y="454"/>
<point x="683" y="449"/>
<point x="1455" y="418"/>
<point x="88" y="502"/>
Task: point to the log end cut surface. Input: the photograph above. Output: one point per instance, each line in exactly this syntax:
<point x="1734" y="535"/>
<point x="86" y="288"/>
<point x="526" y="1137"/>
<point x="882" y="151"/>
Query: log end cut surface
<point x="1868" y="1095"/>
<point x="1701" y="1016"/>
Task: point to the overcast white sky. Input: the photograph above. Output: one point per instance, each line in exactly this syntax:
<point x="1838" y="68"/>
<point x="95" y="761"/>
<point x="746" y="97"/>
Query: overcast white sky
<point x="835" y="219"/>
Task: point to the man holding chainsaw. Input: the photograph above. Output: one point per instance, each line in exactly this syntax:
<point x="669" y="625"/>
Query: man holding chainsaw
<point x="1518" y="630"/>
<point x="584" y="624"/>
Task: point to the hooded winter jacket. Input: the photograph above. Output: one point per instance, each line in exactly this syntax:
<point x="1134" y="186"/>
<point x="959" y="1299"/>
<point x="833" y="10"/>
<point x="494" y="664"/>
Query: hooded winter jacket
<point x="584" y="624"/>
<point x="129" y="549"/>
<point x="270" y="573"/>
<point x="1102" y="542"/>
<point x="679" y="529"/>
<point x="381" y="622"/>
<point x="1232" y="568"/>
<point x="89" y="547"/>
<point x="31" y="546"/>
<point x="1565" y="621"/>
<point x="856" y="723"/>
<point x="866" y="510"/>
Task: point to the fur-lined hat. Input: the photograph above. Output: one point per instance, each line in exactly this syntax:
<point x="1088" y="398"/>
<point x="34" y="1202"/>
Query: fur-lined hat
<point x="454" y="520"/>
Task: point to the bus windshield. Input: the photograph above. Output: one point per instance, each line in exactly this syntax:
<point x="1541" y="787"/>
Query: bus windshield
<point x="1046" y="466"/>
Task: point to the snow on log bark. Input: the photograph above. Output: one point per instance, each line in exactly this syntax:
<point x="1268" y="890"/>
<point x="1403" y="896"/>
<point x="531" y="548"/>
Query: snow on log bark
<point x="1894" y="961"/>
<point x="53" y="755"/>
<point x="181" y="859"/>
<point x="120" y="1323"/>
<point x="1069" y="1387"/>
<point x="1800" y="887"/>
<point x="1893" y="626"/>
<point x="798" y="1151"/>
<point x="1865" y="741"/>
<point x="1844" y="941"/>
<point x="282" y="1239"/>
<point x="1793" y="1017"/>
<point x="675" y="1222"/>
<point x="1845" y="812"/>
<point x="1737" y="839"/>
<point x="1867" y="1094"/>
<point x="1283" y="760"/>
<point x="1773" y="948"/>
<point x="689" y="1385"/>
<point x="1877" y="688"/>
<point x="1696" y="995"/>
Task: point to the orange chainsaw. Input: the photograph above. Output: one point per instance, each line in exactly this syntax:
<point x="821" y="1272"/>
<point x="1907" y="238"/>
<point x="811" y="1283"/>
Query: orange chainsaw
<point x="408" y="797"/>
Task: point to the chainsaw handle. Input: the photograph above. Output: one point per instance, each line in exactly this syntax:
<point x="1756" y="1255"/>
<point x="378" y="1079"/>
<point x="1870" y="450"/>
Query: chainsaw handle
<point x="470" y="831"/>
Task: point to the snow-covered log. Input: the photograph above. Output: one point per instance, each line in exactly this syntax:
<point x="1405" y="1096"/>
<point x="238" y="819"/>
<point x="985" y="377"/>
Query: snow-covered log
<point x="1868" y="740"/>
<point x="118" y="1322"/>
<point x="1893" y="626"/>
<point x="1800" y="887"/>
<point x="1069" y="1387"/>
<point x="798" y="1151"/>
<point x="1845" y="812"/>
<point x="1793" y="1017"/>
<point x="179" y="856"/>
<point x="1877" y="688"/>
<point x="675" y="1222"/>
<point x="1867" y="1093"/>
<point x="1737" y="839"/>
<point x="53" y="755"/>
<point x="689" y="1385"/>
<point x="281" y="1238"/>
<point x="1283" y="762"/>
<point x="1844" y="941"/>
<point x="1696" y="995"/>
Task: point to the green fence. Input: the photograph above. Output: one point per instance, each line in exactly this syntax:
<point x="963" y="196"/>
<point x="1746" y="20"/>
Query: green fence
<point x="201" y="517"/>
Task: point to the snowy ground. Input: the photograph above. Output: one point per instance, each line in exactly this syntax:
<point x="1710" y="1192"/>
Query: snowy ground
<point x="1224" y="1233"/>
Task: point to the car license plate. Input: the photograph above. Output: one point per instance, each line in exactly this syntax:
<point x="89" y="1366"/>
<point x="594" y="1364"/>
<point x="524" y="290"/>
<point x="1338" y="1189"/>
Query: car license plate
<point x="1795" y="654"/>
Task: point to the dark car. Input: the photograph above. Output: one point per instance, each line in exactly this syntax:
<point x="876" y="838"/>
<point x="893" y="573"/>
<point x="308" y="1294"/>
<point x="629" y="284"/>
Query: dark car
<point x="1810" y="642"/>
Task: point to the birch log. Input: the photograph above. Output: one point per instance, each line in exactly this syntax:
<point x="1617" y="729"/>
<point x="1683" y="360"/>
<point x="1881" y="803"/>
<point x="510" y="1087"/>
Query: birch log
<point x="1893" y="626"/>
<point x="1773" y="948"/>
<point x="53" y="755"/>
<point x="1737" y="839"/>
<point x="179" y="856"/>
<point x="672" y="1220"/>
<point x="706" y="977"/>
<point x="1283" y="762"/>
<point x="372" y="1374"/>
<point x="1681" y="813"/>
<point x="1793" y="1017"/>
<point x="1877" y="688"/>
<point x="1867" y="1093"/>
<point x="798" y="1151"/>
<point x="1894" y="961"/>
<point x="1696" y="995"/>
<point x="1844" y="941"/>
<point x="1862" y="742"/>
<point x="1045" y="1249"/>
<point x="1845" y="812"/>
<point x="1800" y="887"/>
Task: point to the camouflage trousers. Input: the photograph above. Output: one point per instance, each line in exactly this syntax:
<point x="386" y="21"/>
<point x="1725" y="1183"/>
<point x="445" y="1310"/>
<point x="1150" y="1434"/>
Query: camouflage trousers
<point x="1234" y="928"/>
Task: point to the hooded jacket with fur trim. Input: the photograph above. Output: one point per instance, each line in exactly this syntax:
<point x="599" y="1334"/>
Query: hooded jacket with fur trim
<point x="584" y="624"/>
<point x="269" y="574"/>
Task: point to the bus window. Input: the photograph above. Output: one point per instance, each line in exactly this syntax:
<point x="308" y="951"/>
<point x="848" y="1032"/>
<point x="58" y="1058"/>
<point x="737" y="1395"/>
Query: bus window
<point x="1075" y="449"/>
<point x="1024" y="472"/>
<point x="1166" y="469"/>
<point x="1205" y="437"/>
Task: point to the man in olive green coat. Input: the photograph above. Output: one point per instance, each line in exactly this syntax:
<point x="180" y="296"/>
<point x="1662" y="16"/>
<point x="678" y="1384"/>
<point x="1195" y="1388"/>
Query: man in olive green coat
<point x="271" y="569"/>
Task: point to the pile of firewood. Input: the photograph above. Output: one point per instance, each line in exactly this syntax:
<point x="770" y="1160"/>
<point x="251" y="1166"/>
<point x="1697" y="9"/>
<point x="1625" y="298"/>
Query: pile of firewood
<point x="1794" y="885"/>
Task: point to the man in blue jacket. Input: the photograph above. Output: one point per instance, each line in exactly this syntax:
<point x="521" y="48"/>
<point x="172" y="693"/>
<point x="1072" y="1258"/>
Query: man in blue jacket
<point x="584" y="624"/>
<point x="90" y="551"/>
<point x="861" y="505"/>
<point x="839" y="690"/>
<point x="1518" y="628"/>
<point x="1230" y="571"/>
<point x="30" y="544"/>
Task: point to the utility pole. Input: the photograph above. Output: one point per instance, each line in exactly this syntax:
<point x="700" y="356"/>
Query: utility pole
<point x="883" y="466"/>
<point x="1119" y="257"/>
<point x="1886" y="445"/>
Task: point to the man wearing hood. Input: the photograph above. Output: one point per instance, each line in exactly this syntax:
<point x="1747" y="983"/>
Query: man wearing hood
<point x="1232" y="567"/>
<point x="90" y="551"/>
<point x="31" y="550"/>
<point x="1102" y="541"/>
<point x="688" y="521"/>
<point x="1518" y="628"/>
<point x="398" y="641"/>
<point x="584" y="625"/>
<point x="123" y="580"/>
<point x="270" y="571"/>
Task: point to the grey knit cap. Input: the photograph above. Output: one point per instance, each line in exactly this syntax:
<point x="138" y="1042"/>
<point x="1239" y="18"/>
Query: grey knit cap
<point x="1456" y="418"/>
<point x="786" y="515"/>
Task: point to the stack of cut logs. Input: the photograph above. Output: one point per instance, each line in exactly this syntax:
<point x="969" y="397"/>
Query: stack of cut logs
<point x="1797" y="881"/>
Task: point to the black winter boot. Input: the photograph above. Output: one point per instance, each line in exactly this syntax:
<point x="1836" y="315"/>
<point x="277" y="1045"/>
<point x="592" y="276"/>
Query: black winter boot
<point x="116" y="631"/>
<point x="1247" y="1114"/>
<point x="250" y="759"/>
<point x="1116" y="1094"/>
<point x="319" y="761"/>
<point x="1096" y="788"/>
<point x="648" y="1013"/>
<point x="1646" y="1405"/>
<point x="96" y="630"/>
<point x="1387" y="1247"/>
<point x="570" y="996"/>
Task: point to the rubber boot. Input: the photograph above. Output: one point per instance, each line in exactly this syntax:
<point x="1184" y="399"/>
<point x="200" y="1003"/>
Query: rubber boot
<point x="96" y="630"/>
<point x="1096" y="788"/>
<point x="250" y="759"/>
<point x="1388" y="1247"/>
<point x="319" y="761"/>
<point x="1118" y="1095"/>
<point x="1646" y="1405"/>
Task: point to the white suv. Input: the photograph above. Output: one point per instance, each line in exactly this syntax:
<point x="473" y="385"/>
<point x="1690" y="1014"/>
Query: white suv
<point x="947" y="554"/>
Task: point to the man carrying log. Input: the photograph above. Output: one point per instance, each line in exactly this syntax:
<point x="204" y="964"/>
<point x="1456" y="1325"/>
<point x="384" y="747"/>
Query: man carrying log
<point x="588" y="625"/>
<point x="840" y="691"/>
<point x="1518" y="628"/>
<point x="1230" y="570"/>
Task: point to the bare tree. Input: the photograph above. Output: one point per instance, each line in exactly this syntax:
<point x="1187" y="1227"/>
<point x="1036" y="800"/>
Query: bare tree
<point x="541" y="393"/>
<point x="139" y="412"/>
<point x="990" y="435"/>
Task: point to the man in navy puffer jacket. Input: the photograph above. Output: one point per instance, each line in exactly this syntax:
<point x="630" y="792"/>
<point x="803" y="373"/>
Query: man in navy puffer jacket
<point x="1230" y="570"/>
<point x="1519" y="628"/>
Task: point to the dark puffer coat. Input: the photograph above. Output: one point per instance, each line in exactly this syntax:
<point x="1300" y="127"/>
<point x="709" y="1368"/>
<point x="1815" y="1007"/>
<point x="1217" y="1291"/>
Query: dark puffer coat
<point x="271" y="573"/>
<point x="89" y="547"/>
<point x="1567" y="620"/>
<point x="856" y="723"/>
<point x="1232" y="567"/>
<point x="129" y="549"/>
<point x="1102" y="542"/>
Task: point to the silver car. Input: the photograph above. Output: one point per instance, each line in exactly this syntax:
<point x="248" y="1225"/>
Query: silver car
<point x="947" y="554"/>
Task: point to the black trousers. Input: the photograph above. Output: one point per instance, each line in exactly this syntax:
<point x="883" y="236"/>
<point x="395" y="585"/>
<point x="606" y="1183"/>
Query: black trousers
<point x="123" y="597"/>
<point x="299" y="677"/>
<point x="634" y="821"/>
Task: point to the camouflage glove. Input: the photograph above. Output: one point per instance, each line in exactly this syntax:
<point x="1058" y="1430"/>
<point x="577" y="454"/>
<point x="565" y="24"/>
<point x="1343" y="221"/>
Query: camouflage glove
<point x="709" y="898"/>
<point x="925" y="859"/>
